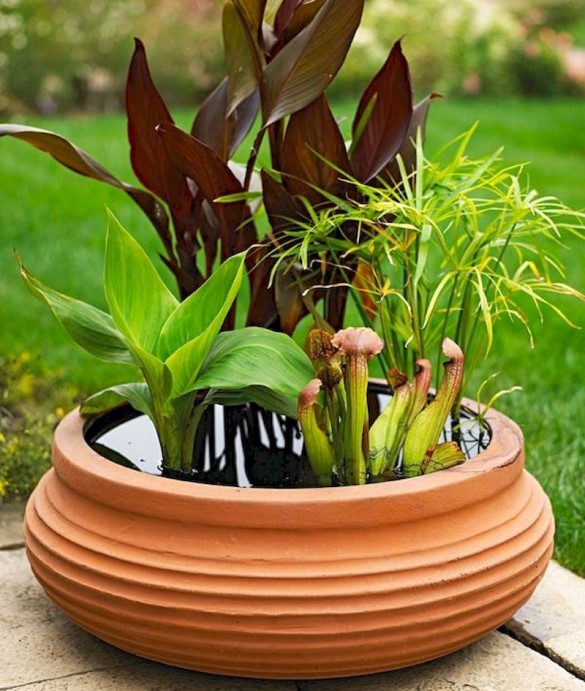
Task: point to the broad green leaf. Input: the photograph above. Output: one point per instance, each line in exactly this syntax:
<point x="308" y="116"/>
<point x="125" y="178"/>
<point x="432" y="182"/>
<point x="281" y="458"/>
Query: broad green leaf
<point x="139" y="301"/>
<point x="71" y="156"/>
<point x="88" y="326"/>
<point x="306" y="65"/>
<point x="158" y="376"/>
<point x="256" y="357"/>
<point x="136" y="393"/>
<point x="205" y="309"/>
<point x="277" y="403"/>
<point x="189" y="333"/>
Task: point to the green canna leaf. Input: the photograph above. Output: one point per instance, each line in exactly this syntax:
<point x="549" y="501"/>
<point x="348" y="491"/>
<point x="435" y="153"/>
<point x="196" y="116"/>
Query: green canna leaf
<point x="190" y="331"/>
<point x="136" y="393"/>
<point x="256" y="357"/>
<point x="277" y="403"/>
<point x="205" y="309"/>
<point x="88" y="326"/>
<point x="305" y="66"/>
<point x="139" y="301"/>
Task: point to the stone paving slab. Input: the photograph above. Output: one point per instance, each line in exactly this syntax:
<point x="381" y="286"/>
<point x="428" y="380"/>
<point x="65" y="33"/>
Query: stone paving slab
<point x="11" y="516"/>
<point x="553" y="621"/>
<point x="43" y="651"/>
<point x="496" y="663"/>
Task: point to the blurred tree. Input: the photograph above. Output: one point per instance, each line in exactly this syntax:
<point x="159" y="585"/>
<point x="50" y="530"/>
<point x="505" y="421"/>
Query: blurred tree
<point x="57" y="55"/>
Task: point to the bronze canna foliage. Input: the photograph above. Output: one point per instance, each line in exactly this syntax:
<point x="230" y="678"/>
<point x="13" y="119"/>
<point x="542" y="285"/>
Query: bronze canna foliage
<point x="280" y="59"/>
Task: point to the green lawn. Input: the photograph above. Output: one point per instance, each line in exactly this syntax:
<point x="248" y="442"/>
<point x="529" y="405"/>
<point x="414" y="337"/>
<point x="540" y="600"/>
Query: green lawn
<point x="57" y="221"/>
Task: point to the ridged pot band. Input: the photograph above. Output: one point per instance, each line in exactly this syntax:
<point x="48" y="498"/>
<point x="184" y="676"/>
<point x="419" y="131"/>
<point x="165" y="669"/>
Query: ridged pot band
<point x="296" y="584"/>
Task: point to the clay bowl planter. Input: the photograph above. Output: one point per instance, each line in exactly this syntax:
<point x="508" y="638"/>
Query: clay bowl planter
<point x="296" y="583"/>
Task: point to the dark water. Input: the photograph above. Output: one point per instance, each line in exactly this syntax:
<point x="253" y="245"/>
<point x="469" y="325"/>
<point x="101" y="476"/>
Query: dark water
<point x="262" y="450"/>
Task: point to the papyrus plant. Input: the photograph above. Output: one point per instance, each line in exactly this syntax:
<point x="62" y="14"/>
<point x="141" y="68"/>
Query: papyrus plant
<point x="404" y="440"/>
<point x="185" y="361"/>
<point x="453" y="250"/>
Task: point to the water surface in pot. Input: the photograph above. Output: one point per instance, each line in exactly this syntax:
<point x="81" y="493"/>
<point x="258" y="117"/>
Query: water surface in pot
<point x="263" y="449"/>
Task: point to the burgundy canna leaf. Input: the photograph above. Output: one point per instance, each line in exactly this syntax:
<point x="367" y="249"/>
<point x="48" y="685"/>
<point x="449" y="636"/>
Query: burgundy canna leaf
<point x="389" y="96"/>
<point x="281" y="207"/>
<point x="220" y="131"/>
<point x="244" y="58"/>
<point x="262" y="310"/>
<point x="197" y="161"/>
<point x="312" y="150"/>
<point x="145" y="110"/>
<point x="252" y="12"/>
<point x="284" y="15"/>
<point x="292" y="24"/>
<point x="305" y="66"/>
<point x="289" y="302"/>
<point x="408" y="149"/>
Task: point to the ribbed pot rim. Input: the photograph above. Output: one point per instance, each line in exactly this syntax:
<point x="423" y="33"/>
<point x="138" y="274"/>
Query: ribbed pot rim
<point x="89" y="474"/>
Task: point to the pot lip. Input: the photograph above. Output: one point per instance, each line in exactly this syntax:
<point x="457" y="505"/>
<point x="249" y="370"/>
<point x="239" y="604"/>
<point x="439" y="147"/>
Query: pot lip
<point x="72" y="455"/>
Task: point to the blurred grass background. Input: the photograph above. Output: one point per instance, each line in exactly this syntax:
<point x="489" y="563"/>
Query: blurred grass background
<point x="57" y="221"/>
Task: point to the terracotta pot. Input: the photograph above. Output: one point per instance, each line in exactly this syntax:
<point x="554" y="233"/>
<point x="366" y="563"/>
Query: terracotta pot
<point x="302" y="583"/>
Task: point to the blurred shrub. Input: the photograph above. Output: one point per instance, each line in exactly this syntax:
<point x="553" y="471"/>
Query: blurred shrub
<point x="32" y="401"/>
<point x="56" y="56"/>
<point x="469" y="47"/>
